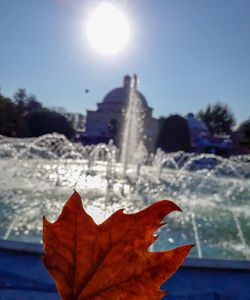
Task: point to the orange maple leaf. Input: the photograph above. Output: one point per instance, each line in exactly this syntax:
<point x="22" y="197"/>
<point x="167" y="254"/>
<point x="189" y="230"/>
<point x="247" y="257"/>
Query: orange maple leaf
<point x="110" y="260"/>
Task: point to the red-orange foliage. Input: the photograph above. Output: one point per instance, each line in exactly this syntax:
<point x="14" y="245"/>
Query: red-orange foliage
<point x="110" y="260"/>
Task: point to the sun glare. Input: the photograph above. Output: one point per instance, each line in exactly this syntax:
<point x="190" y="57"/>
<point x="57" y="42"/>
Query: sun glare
<point x="107" y="29"/>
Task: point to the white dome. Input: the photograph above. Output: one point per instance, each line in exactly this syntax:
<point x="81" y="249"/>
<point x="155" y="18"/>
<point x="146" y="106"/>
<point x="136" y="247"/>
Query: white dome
<point x="195" y="123"/>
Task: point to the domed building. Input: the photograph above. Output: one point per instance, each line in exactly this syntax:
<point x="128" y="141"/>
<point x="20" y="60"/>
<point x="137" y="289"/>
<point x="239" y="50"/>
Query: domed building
<point x="197" y="129"/>
<point x="203" y="142"/>
<point x="106" y="122"/>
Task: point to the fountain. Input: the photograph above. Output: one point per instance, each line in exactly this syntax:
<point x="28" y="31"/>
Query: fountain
<point x="39" y="174"/>
<point x="132" y="129"/>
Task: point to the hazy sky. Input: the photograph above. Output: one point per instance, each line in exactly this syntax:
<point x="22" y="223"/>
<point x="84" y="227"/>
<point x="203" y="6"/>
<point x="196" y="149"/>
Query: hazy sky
<point x="187" y="53"/>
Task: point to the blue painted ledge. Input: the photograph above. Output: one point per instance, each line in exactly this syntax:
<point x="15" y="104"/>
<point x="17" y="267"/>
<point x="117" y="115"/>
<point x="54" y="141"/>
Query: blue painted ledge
<point x="23" y="276"/>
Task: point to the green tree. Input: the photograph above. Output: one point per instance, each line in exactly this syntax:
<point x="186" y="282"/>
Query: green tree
<point x="32" y="104"/>
<point x="28" y="103"/>
<point x="25" y="104"/>
<point x="173" y="134"/>
<point x="244" y="138"/>
<point x="8" y="117"/>
<point x="20" y="96"/>
<point x="218" y="118"/>
<point x="45" y="121"/>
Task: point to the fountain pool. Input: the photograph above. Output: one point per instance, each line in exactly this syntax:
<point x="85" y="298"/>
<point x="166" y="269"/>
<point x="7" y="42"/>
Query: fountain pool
<point x="37" y="176"/>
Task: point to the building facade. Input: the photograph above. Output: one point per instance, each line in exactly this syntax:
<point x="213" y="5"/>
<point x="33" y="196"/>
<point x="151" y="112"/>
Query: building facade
<point x="106" y="122"/>
<point x="197" y="128"/>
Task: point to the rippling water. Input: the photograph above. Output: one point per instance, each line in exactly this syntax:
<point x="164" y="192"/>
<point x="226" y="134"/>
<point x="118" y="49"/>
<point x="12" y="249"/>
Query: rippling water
<point x="214" y="200"/>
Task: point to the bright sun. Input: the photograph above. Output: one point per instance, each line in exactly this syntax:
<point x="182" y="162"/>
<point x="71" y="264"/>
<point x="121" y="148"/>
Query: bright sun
<point x="107" y="29"/>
